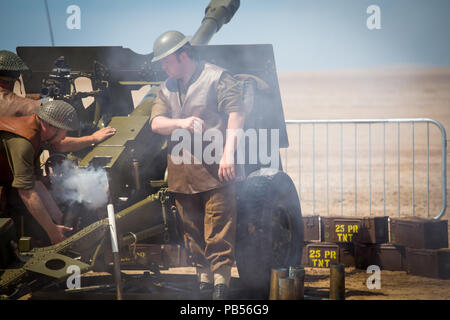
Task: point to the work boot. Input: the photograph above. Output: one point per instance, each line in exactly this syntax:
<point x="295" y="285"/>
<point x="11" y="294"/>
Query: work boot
<point x="220" y="292"/>
<point x="205" y="287"/>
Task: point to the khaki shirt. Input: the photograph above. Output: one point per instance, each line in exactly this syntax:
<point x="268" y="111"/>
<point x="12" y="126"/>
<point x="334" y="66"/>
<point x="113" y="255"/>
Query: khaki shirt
<point x="211" y="94"/>
<point x="20" y="154"/>
<point x="229" y="95"/>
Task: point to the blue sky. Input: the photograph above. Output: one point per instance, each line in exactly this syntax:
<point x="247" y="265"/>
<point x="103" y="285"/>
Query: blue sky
<point x="306" y="34"/>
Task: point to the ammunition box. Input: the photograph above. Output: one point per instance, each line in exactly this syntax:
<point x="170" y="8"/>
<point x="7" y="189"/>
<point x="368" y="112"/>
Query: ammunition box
<point x="355" y="229"/>
<point x="311" y="227"/>
<point x="387" y="256"/>
<point x="323" y="255"/>
<point x="175" y="256"/>
<point x="163" y="256"/>
<point x="7" y="234"/>
<point x="347" y="254"/>
<point x="433" y="263"/>
<point x="304" y="261"/>
<point x="141" y="255"/>
<point x="419" y="233"/>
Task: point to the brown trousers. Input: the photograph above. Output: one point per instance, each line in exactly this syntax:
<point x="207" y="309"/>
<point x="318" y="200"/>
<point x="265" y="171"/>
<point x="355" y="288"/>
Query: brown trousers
<point x="209" y="224"/>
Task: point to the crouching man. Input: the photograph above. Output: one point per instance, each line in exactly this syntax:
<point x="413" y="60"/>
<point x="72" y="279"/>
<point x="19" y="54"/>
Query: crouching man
<point x="21" y="142"/>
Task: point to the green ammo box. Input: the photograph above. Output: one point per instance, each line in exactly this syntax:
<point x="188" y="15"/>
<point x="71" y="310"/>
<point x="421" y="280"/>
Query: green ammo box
<point x="355" y="229"/>
<point x="324" y="254"/>
<point x="434" y="263"/>
<point x="7" y="233"/>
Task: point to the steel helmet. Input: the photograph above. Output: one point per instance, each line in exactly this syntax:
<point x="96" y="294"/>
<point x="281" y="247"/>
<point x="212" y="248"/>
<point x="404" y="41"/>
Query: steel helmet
<point x="59" y="114"/>
<point x="168" y="43"/>
<point x="9" y="61"/>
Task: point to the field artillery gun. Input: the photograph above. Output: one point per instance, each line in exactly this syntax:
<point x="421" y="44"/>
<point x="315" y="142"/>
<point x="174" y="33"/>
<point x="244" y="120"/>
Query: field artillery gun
<point x="269" y="231"/>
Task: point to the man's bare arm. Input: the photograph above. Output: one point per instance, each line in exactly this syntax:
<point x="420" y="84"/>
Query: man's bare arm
<point x="71" y="144"/>
<point x="50" y="204"/>
<point x="34" y="201"/>
<point x="226" y="167"/>
<point x="165" y="126"/>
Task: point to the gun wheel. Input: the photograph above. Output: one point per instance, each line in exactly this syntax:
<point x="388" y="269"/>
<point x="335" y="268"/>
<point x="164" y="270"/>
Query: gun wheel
<point x="269" y="229"/>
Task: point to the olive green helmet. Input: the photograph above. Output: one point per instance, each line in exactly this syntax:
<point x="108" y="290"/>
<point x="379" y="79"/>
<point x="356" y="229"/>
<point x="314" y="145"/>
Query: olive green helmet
<point x="11" y="62"/>
<point x="168" y="43"/>
<point x="59" y="114"/>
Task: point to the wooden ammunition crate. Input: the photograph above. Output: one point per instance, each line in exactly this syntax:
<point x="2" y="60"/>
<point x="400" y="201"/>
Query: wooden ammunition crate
<point x="433" y="263"/>
<point x="387" y="256"/>
<point x="311" y="227"/>
<point x="163" y="256"/>
<point x="419" y="233"/>
<point x="7" y="234"/>
<point x="322" y="254"/>
<point x="355" y="229"/>
<point x="175" y="255"/>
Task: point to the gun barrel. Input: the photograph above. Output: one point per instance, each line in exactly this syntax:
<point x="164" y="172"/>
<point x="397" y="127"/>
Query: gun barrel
<point x="217" y="13"/>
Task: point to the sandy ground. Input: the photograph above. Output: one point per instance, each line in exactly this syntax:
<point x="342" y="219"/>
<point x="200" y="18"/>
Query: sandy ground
<point x="394" y="285"/>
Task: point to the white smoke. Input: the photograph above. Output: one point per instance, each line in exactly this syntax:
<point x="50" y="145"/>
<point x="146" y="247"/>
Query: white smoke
<point x="88" y="186"/>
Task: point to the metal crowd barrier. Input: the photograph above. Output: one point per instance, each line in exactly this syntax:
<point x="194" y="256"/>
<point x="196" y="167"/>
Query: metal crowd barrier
<point x="357" y="124"/>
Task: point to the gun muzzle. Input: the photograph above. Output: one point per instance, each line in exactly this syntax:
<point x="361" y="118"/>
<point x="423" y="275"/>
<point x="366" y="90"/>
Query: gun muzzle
<point x="217" y="13"/>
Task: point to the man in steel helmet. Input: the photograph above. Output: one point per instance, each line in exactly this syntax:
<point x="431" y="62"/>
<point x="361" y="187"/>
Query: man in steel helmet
<point x="21" y="141"/>
<point x="12" y="105"/>
<point x="11" y="67"/>
<point x="201" y="95"/>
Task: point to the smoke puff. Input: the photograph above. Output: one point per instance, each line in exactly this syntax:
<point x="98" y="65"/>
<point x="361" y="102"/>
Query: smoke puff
<point x="88" y="186"/>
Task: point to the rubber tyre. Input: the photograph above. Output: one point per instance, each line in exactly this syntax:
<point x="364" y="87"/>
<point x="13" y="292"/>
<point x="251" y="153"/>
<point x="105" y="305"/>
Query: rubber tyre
<point x="269" y="229"/>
